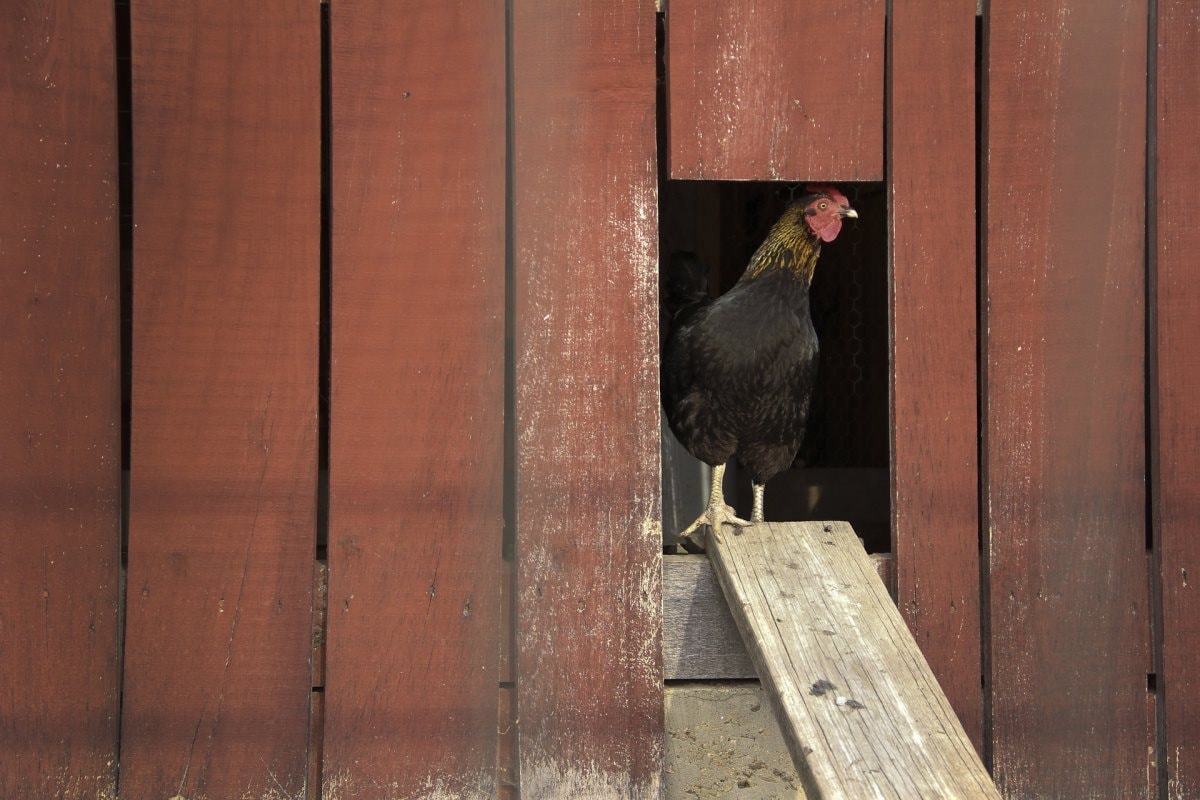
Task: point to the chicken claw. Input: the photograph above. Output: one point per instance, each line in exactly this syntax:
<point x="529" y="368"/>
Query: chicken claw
<point x="715" y="516"/>
<point x="717" y="513"/>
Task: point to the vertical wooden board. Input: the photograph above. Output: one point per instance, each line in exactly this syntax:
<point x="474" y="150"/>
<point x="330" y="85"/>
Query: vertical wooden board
<point x="934" y="471"/>
<point x="506" y="750"/>
<point x="417" y="428"/>
<point x="775" y="90"/>
<point x="226" y="125"/>
<point x="508" y="619"/>
<point x="320" y="623"/>
<point x="316" y="740"/>
<point x="1176" y="469"/>
<point x="60" y="413"/>
<point x="1065" y="435"/>
<point x="589" y="580"/>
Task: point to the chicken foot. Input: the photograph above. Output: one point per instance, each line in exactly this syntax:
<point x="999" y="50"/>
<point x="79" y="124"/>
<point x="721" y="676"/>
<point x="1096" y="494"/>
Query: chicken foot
<point x="718" y="511"/>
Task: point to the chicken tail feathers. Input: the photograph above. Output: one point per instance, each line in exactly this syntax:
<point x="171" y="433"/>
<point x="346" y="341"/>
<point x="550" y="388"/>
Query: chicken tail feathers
<point x="685" y="287"/>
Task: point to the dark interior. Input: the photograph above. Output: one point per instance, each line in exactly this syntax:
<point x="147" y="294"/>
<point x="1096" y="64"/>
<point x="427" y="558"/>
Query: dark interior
<point x="841" y="471"/>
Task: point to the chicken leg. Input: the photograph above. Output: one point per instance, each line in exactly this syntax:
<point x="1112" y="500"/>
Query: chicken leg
<point x="756" y="515"/>
<point x="718" y="511"/>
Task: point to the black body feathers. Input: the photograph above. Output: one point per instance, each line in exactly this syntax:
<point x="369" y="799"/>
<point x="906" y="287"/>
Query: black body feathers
<point x="738" y="372"/>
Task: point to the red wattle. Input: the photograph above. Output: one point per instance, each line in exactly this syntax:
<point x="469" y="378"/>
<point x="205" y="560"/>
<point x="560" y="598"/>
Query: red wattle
<point x="831" y="230"/>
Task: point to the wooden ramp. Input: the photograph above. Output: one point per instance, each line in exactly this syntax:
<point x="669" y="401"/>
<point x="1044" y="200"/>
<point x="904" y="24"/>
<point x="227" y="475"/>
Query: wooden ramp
<point x="862" y="714"/>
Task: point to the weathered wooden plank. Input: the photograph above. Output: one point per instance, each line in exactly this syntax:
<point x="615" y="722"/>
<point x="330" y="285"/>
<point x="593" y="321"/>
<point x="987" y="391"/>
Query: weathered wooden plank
<point x="1152" y="772"/>
<point x="1064" y="397"/>
<point x="60" y="412"/>
<point x="224" y="457"/>
<point x="508" y="621"/>
<point x="316" y="745"/>
<point x="320" y="622"/>
<point x="722" y="741"/>
<point x="507" y="782"/>
<point x="935" y="471"/>
<point x="775" y="89"/>
<point x="885" y="568"/>
<point x="1176" y="435"/>
<point x="587" y="409"/>
<point x="700" y="639"/>
<point x="859" y="707"/>
<point x="1065" y="413"/>
<point x="417" y="430"/>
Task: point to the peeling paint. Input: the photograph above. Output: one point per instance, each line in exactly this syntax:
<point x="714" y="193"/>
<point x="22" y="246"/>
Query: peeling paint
<point x="342" y="785"/>
<point x="65" y="785"/>
<point x="544" y="779"/>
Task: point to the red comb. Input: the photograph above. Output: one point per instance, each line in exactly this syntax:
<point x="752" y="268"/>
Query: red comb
<point x="829" y="190"/>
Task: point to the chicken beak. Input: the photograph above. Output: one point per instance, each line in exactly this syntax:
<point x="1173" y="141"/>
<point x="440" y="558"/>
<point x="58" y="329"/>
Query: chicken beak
<point x="849" y="212"/>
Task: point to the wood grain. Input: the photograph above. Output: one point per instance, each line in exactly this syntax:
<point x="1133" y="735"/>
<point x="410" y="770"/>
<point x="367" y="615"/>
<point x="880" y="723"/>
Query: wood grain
<point x="316" y="745"/>
<point x="60" y="412"/>
<point x="859" y="707"/>
<point x="775" y="90"/>
<point x="508" y="622"/>
<point x="507" y="768"/>
<point x="1175" y="469"/>
<point x="935" y="470"/>
<point x="226" y="125"/>
<point x="320" y="622"/>
<point x="589" y="565"/>
<point x="700" y="639"/>
<point x="416" y="445"/>
<point x="1064" y="410"/>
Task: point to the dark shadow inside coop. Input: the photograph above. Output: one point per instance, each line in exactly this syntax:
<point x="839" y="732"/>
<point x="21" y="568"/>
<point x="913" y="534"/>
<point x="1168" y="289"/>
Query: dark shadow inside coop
<point x="841" y="471"/>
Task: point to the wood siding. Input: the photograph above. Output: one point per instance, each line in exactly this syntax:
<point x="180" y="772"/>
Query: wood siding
<point x="417" y="410"/>
<point x="758" y="91"/>
<point x="935" y="483"/>
<point x="223" y="483"/>
<point x="484" y="616"/>
<point x="60" y="412"/>
<point x="1064" y="404"/>
<point x="1175" y="468"/>
<point x="588" y="506"/>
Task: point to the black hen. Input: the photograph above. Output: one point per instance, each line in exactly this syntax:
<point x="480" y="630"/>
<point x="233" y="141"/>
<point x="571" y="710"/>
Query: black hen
<point x="738" y="372"/>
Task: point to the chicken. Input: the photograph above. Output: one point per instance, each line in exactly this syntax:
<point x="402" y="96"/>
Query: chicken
<point x="738" y="372"/>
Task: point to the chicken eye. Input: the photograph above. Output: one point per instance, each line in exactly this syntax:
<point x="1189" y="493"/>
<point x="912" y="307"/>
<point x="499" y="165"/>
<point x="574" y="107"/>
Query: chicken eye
<point x="823" y="205"/>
